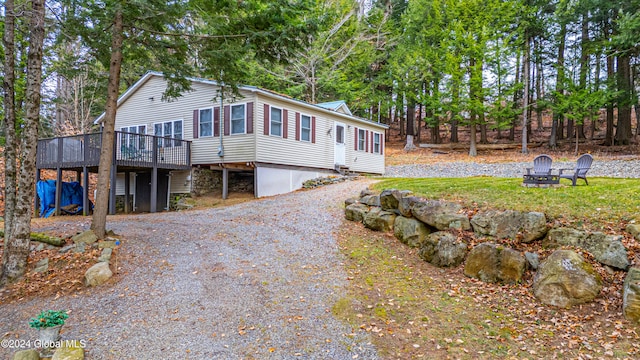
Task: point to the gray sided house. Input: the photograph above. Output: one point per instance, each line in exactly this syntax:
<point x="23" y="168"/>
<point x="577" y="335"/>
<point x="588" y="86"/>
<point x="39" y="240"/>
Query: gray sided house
<point x="274" y="141"/>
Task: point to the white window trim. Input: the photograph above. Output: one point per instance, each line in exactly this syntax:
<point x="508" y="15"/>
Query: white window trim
<point x="245" y="119"/>
<point x="271" y="108"/>
<point x="379" y="143"/>
<point x="213" y="131"/>
<point x="172" y="127"/>
<point x="310" y="127"/>
<point x="364" y="140"/>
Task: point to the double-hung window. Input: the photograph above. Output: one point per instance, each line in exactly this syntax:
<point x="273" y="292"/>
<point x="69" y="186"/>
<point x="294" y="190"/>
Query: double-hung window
<point x="206" y="122"/>
<point x="305" y="128"/>
<point x="167" y="130"/>
<point x="276" y="122"/>
<point x="238" y="119"/>
<point x="376" y="143"/>
<point x="361" y="139"/>
<point x="130" y="137"/>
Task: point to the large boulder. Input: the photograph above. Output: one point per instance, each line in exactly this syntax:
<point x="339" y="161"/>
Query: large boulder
<point x="379" y="220"/>
<point x="405" y="203"/>
<point x="350" y="201"/>
<point x="356" y="212"/>
<point x="87" y="237"/>
<point x="441" y="215"/>
<point x="26" y="355"/>
<point x="606" y="249"/>
<point x="634" y="230"/>
<point x="564" y="236"/>
<point x="366" y="192"/>
<point x="443" y="249"/>
<point x="371" y="200"/>
<point x="69" y="350"/>
<point x="565" y="279"/>
<point x="389" y="199"/>
<point x="631" y="296"/>
<point x="410" y="231"/>
<point x="509" y="224"/>
<point x="498" y="224"/>
<point x="534" y="226"/>
<point x="492" y="263"/>
<point x="98" y="274"/>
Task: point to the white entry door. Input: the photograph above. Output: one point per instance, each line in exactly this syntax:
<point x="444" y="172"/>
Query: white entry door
<point x="339" y="151"/>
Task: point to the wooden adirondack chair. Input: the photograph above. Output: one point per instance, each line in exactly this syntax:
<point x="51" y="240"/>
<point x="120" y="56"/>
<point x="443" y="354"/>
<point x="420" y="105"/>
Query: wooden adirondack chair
<point x="580" y="171"/>
<point x="541" y="165"/>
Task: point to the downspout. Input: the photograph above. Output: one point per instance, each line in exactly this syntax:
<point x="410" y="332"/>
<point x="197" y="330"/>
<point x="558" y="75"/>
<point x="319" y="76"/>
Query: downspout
<point x="221" y="115"/>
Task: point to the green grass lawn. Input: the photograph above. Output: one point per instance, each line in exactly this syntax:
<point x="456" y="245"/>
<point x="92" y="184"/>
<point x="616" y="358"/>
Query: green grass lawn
<point x="605" y="200"/>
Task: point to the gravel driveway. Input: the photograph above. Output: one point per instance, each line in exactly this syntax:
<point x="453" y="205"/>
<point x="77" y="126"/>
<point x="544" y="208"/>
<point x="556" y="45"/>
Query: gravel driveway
<point x="251" y="281"/>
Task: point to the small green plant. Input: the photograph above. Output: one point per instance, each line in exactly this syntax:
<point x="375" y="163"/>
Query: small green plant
<point x="49" y="318"/>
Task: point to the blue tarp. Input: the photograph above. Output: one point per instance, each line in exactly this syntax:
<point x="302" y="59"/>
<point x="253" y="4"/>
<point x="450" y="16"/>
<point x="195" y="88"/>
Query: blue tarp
<point x="71" y="195"/>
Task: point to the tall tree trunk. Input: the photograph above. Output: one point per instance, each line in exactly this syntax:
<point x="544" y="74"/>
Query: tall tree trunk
<point x="99" y="223"/>
<point x="557" y="123"/>
<point x="539" y="87"/>
<point x="512" y="129"/>
<point x="584" y="63"/>
<point x="17" y="247"/>
<point x="623" y="130"/>
<point x="475" y="87"/>
<point x="595" y="118"/>
<point x="435" y="120"/>
<point x="411" y="119"/>
<point x="636" y="108"/>
<point x="402" y="118"/>
<point x="608" y="141"/>
<point x="456" y="103"/>
<point x="9" y="123"/>
<point x="419" y="128"/>
<point x="483" y="129"/>
<point x="525" y="97"/>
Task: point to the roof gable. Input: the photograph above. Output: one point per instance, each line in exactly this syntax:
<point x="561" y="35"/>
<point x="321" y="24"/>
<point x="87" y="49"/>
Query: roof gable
<point x="338" y="106"/>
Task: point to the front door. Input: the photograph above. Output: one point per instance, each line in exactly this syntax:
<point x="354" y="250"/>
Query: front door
<point x="339" y="152"/>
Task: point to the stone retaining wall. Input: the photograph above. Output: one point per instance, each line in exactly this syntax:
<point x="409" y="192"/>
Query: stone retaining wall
<point x="441" y="231"/>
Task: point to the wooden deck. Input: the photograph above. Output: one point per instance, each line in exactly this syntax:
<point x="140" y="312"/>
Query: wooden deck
<point x="137" y="153"/>
<point x="131" y="151"/>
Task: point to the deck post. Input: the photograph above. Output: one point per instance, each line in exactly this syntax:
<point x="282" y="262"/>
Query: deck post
<point x="154" y="189"/>
<point x="225" y="183"/>
<point x="36" y="198"/>
<point x="85" y="191"/>
<point x="58" y="190"/>
<point x="112" y="190"/>
<point x="127" y="186"/>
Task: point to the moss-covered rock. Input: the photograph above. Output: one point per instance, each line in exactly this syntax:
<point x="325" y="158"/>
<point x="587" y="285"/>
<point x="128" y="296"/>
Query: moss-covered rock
<point x="631" y="296"/>
<point x="443" y="249"/>
<point x="441" y="215"/>
<point x="492" y="263"/>
<point x="606" y="249"/>
<point x="356" y="212"/>
<point x="379" y="220"/>
<point x="565" y="279"/>
<point x="69" y="350"/>
<point x="87" y="237"/>
<point x="26" y="355"/>
<point x="410" y="231"/>
<point x="634" y="230"/>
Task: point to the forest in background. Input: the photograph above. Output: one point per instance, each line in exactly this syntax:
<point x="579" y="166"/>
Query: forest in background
<point x="465" y="67"/>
